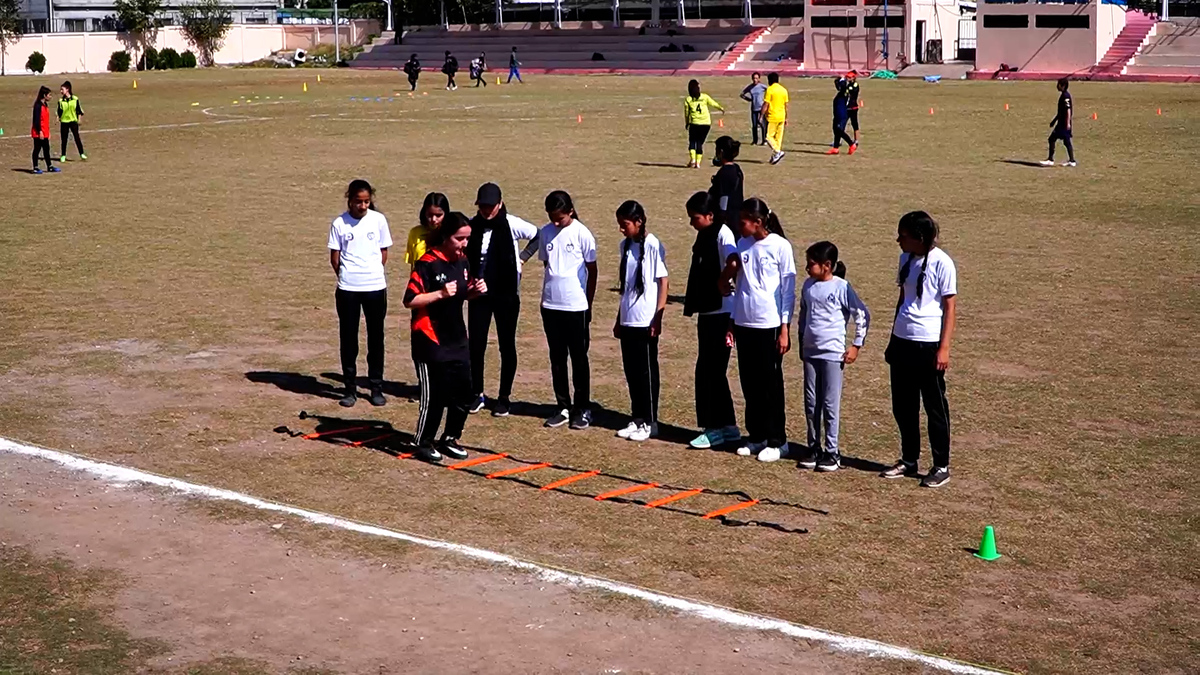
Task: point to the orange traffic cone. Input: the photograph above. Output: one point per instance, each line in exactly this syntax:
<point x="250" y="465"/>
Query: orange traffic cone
<point x="931" y="111"/>
<point x="721" y="122"/>
<point x="1160" y="111"/>
<point x="1094" y="116"/>
<point x="1006" y="106"/>
<point x="579" y="119"/>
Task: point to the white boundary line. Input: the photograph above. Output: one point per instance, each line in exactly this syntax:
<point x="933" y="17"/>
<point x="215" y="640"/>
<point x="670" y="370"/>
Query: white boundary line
<point x="731" y="617"/>
<point x="178" y="125"/>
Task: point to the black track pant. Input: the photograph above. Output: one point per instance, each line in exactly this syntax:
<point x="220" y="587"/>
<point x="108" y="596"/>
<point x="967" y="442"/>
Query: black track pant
<point x="41" y="146"/>
<point x="479" y="321"/>
<point x="445" y="387"/>
<point x="714" y="403"/>
<point x="450" y="83"/>
<point x="839" y="131"/>
<point x="639" y="355"/>
<point x="915" y="377"/>
<point x="759" y="124"/>
<point x="697" y="134"/>
<point x="1065" y="137"/>
<point x="372" y="304"/>
<point x="760" y="367"/>
<point x="568" y="335"/>
<point x="73" y="128"/>
<point x="412" y="83"/>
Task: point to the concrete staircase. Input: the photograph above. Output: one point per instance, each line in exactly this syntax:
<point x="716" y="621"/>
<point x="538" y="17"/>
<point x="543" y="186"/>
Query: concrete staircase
<point x="1139" y="28"/>
<point x="1174" y="50"/>
<point x="781" y="49"/>
<point x="736" y="54"/>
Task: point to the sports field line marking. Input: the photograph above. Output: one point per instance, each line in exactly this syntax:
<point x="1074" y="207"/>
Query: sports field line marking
<point x="178" y="125"/>
<point x="844" y="643"/>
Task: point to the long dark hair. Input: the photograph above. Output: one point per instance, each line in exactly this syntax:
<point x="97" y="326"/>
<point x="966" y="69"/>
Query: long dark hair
<point x="758" y="210"/>
<point x="67" y="85"/>
<point x="728" y="148"/>
<point x="632" y="210"/>
<point x="826" y="252"/>
<point x="434" y="199"/>
<point x="694" y="88"/>
<point x="42" y="93"/>
<point x="560" y="201"/>
<point x="356" y="186"/>
<point x="453" y="222"/>
<point x="702" y="203"/>
<point x="920" y="226"/>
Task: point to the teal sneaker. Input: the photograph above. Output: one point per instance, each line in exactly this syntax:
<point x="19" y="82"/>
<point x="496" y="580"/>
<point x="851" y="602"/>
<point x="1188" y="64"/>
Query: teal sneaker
<point x="731" y="434"/>
<point x="708" y="439"/>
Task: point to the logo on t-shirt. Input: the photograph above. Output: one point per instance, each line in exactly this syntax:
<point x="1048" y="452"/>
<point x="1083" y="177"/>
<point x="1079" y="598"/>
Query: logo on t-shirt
<point x="349" y="236"/>
<point x="832" y="298"/>
<point x="745" y="257"/>
<point x="440" y="278"/>
<point x="570" y="247"/>
<point x="370" y="236"/>
<point x="549" y="247"/>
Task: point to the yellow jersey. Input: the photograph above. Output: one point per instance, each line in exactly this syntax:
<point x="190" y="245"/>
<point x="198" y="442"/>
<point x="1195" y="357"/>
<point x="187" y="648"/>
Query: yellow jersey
<point x="418" y="243"/>
<point x="775" y="100"/>
<point x="695" y="110"/>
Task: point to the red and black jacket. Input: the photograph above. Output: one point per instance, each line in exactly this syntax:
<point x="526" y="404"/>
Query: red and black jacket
<point x="41" y="120"/>
<point x="438" y="330"/>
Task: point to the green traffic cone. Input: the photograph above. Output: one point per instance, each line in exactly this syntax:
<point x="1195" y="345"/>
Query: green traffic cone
<point x="987" y="545"/>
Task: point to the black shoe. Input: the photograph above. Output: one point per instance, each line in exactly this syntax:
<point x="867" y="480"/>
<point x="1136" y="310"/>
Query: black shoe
<point x="428" y="453"/>
<point x="500" y="409"/>
<point x="559" y="419"/>
<point x="936" y="478"/>
<point x="808" y="459"/>
<point x="477" y="405"/>
<point x="377" y="398"/>
<point x="829" y="462"/>
<point x="349" y="399"/>
<point x="581" y="421"/>
<point x="451" y="448"/>
<point x="900" y="469"/>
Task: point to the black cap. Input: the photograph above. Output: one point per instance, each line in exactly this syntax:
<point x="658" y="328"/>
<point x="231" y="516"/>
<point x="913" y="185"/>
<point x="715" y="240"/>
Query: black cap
<point x="488" y="195"/>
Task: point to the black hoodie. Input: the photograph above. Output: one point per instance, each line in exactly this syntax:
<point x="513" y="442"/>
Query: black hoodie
<point x="501" y="272"/>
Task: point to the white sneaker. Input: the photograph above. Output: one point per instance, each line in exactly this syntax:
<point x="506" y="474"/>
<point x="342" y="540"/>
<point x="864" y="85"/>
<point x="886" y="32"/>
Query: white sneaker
<point x="644" y="432"/>
<point x="1047" y="162"/>
<point x="1069" y="164"/>
<point x="751" y="449"/>
<point x="627" y="431"/>
<point x="770" y="455"/>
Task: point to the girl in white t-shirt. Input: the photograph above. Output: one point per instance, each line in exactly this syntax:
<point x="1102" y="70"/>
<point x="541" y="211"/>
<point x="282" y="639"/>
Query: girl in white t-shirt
<point x="643" y="285"/>
<point x="359" y="240"/>
<point x="762" y="278"/>
<point x="919" y="350"/>
<point x="568" y="250"/>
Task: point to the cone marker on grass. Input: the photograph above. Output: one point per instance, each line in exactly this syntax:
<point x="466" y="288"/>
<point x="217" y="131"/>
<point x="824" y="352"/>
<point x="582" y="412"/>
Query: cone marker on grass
<point x="721" y="122"/>
<point x="1006" y="106"/>
<point x="987" y="545"/>
<point x="579" y="119"/>
<point x="1094" y="116"/>
<point x="931" y="111"/>
<point x="135" y="84"/>
<point x="1160" y="111"/>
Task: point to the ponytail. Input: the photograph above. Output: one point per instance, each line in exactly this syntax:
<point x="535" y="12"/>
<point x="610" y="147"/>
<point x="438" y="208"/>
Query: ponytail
<point x="920" y="226"/>
<point x="826" y="252"/>
<point x="839" y="270"/>
<point x="774" y="226"/>
<point x="758" y="211"/>
<point x="633" y="211"/>
<point x="701" y="203"/>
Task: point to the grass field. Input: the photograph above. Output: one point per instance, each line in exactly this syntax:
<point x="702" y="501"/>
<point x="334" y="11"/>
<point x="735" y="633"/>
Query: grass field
<point x="142" y="287"/>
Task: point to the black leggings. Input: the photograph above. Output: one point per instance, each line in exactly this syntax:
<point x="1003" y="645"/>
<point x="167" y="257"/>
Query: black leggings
<point x="41" y="146"/>
<point x="412" y="82"/>
<point x="450" y="80"/>
<point x="714" y="403"/>
<point x="479" y="321"/>
<point x="372" y="304"/>
<point x="760" y="367"/>
<point x="70" y="127"/>
<point x="568" y="334"/>
<point x="639" y="356"/>
<point x="839" y="131"/>
<point x="697" y="134"/>
<point x="915" y="378"/>
<point x="445" y="387"/>
<point x="1066" y="140"/>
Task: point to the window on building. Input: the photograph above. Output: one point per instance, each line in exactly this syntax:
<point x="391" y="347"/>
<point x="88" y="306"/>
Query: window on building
<point x="843" y="3"/>
<point x="877" y="21"/>
<point x="36" y="26"/>
<point x="1062" y="21"/>
<point x="1006" y="21"/>
<point x="835" y="22"/>
<point x="75" y="25"/>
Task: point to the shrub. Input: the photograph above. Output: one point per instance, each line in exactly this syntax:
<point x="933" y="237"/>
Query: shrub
<point x="187" y="59"/>
<point x="119" y="62"/>
<point x="149" y="59"/>
<point x="36" y="63"/>
<point x="168" y="59"/>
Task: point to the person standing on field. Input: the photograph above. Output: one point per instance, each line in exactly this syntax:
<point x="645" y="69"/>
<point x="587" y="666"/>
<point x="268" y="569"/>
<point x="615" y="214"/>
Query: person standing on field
<point x="450" y="69"/>
<point x="412" y="68"/>
<point x="40" y="130"/>
<point x="1061" y="125"/>
<point x="69" y="114"/>
<point x="478" y="68"/>
<point x="493" y="256"/>
<point x="775" y="110"/>
<point x="359" y="240"/>
<point x="754" y="94"/>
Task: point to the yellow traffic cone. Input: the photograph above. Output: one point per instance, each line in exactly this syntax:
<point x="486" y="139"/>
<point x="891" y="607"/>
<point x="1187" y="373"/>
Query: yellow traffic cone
<point x="305" y="86"/>
<point x="318" y="77"/>
<point x="497" y="79"/>
<point x="135" y="84"/>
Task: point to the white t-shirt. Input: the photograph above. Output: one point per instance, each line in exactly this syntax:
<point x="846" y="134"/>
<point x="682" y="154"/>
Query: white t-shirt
<point x="726" y="246"/>
<point x="360" y="243"/>
<point x="921" y="319"/>
<point x="766" y="284"/>
<point x="566" y="252"/>
<point x="637" y="311"/>
<point x="521" y="229"/>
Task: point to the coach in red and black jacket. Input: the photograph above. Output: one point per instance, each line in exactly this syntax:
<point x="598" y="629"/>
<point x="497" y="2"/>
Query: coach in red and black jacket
<point x="439" y="284"/>
<point x="40" y="129"/>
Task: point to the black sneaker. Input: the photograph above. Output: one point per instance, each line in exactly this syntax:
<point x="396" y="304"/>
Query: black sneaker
<point x="477" y="406"/>
<point x="428" y="453"/>
<point x="829" y="462"/>
<point x="936" y="478"/>
<point x="349" y="399"/>
<point x="500" y="409"/>
<point x="559" y="419"/>
<point x="900" y="469"/>
<point x="581" y="421"/>
<point x="377" y="398"/>
<point x="451" y="448"/>
<point x="808" y="459"/>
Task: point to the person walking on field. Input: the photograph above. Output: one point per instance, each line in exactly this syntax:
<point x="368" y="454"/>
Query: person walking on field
<point x="450" y="69"/>
<point x="478" y="68"/>
<point x="359" y="240"/>
<point x="69" y="114"/>
<point x="841" y="115"/>
<point x="40" y="130"/>
<point x="514" y="67"/>
<point x="775" y="110"/>
<point x="1062" y="124"/>
<point x="698" y="121"/>
<point x="754" y="94"/>
<point x="412" y="68"/>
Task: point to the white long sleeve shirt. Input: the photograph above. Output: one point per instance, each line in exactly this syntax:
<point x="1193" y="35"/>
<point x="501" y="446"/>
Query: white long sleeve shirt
<point x="826" y="307"/>
<point x="765" y="294"/>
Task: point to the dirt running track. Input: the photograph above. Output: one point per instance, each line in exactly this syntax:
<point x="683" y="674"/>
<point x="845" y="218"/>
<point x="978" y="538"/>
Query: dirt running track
<point x="210" y="587"/>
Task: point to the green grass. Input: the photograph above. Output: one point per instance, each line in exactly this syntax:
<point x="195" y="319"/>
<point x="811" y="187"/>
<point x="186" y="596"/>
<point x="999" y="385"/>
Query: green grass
<point x="1072" y="386"/>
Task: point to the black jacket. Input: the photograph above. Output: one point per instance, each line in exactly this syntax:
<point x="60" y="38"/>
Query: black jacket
<point x="501" y="272"/>
<point x="703" y="290"/>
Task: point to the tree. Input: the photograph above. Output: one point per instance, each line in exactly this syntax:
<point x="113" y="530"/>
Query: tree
<point x="11" y="28"/>
<point x="139" y="18"/>
<point x="205" y="24"/>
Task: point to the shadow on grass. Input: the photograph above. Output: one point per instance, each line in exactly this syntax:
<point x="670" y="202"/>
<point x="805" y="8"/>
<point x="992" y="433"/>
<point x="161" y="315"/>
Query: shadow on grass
<point x="1021" y="162"/>
<point x="603" y="418"/>
<point x="28" y="171"/>
<point x="661" y="165"/>
<point x="332" y="387"/>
